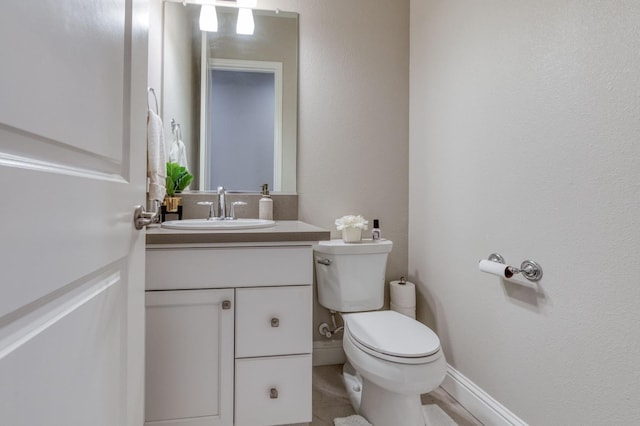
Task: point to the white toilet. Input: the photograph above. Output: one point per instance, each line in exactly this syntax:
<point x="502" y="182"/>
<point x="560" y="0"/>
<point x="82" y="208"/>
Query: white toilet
<point x="392" y="358"/>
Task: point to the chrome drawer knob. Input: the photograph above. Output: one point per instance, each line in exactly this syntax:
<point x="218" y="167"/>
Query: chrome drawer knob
<point x="275" y="322"/>
<point x="226" y="304"/>
<point x="273" y="393"/>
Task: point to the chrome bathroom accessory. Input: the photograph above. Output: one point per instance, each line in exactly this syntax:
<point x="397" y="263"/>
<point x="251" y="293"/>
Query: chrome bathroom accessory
<point x="528" y="268"/>
<point x="325" y="330"/>
<point x="212" y="211"/>
<point x="155" y="98"/>
<point x="142" y="218"/>
<point x="176" y="129"/>
<point x="232" y="211"/>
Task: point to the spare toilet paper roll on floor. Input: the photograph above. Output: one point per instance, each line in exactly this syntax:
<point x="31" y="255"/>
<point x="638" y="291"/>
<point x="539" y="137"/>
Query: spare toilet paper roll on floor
<point x="410" y="312"/>
<point x="403" y="297"/>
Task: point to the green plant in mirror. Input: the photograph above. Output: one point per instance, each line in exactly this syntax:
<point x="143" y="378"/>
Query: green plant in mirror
<point x="178" y="178"/>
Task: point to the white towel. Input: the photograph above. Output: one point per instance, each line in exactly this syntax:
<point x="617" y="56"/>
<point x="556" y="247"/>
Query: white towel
<point x="156" y="157"/>
<point x="178" y="153"/>
<point x="354" y="420"/>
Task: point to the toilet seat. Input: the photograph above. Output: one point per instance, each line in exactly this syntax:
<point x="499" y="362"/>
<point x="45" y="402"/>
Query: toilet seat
<point x="392" y="336"/>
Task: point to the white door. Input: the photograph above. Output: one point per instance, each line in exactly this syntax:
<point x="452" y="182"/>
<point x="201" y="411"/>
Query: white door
<point x="72" y="167"/>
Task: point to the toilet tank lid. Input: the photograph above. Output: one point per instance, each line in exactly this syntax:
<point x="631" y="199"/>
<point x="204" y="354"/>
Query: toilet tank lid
<point x="391" y="333"/>
<point x="338" y="246"/>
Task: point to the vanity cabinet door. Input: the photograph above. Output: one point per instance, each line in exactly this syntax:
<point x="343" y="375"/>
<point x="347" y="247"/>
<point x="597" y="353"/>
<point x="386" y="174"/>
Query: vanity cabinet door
<point x="189" y="353"/>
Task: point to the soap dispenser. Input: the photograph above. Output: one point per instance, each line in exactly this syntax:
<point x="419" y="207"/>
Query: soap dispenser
<point x="265" y="206"/>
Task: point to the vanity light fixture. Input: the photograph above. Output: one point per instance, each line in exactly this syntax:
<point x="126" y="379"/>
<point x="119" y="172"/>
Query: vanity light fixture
<point x="208" y="18"/>
<point x="245" y="24"/>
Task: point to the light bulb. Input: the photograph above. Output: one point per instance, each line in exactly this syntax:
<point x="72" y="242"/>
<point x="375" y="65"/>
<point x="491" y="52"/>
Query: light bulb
<point x="245" y="23"/>
<point x="208" y="18"/>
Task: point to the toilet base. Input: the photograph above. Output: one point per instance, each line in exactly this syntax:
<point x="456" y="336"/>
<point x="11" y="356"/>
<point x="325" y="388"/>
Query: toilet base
<point x="353" y="385"/>
<point x="397" y="410"/>
<point x="365" y="397"/>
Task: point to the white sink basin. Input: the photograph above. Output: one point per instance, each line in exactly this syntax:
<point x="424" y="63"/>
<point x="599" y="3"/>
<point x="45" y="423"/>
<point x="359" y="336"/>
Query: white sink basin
<point x="217" y="225"/>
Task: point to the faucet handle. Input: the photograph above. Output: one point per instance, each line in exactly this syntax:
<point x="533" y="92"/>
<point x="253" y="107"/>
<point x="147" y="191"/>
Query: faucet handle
<point x="232" y="213"/>
<point x="212" y="213"/>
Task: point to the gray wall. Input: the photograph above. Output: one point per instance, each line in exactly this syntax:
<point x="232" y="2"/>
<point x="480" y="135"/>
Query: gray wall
<point x="180" y="100"/>
<point x="353" y="117"/>
<point x="525" y="119"/>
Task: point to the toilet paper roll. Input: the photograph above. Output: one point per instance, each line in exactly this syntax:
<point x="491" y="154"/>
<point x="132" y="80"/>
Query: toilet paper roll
<point x="495" y="268"/>
<point x="410" y="312"/>
<point x="403" y="295"/>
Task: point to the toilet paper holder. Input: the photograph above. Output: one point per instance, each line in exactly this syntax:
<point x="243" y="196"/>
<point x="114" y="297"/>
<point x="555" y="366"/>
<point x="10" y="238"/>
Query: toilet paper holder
<point x="528" y="268"/>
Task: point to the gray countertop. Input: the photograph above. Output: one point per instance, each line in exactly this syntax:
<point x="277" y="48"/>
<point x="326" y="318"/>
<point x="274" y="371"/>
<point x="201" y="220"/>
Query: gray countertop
<point x="282" y="231"/>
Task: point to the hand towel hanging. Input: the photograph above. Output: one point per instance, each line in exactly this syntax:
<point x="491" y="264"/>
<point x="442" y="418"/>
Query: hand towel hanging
<point x="156" y="157"/>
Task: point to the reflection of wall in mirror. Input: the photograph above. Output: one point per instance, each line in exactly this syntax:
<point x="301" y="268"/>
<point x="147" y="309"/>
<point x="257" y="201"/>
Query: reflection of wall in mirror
<point x="181" y="77"/>
<point x="275" y="39"/>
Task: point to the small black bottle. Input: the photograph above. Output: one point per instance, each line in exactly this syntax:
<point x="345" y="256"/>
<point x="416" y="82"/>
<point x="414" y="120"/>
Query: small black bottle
<point x="376" y="234"/>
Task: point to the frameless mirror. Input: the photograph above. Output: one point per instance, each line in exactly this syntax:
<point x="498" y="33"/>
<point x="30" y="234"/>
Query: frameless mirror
<point x="234" y="96"/>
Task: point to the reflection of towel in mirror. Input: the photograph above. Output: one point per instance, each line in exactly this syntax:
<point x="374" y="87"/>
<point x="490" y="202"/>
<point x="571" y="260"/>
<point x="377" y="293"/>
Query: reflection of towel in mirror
<point x="178" y="153"/>
<point x="156" y="157"/>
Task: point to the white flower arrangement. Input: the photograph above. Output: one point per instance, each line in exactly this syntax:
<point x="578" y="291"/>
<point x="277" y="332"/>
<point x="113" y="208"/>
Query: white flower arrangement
<point x="351" y="221"/>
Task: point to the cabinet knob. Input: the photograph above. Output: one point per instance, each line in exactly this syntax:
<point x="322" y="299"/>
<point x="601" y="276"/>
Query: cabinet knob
<point x="275" y="322"/>
<point x="273" y="393"/>
<point x="226" y="304"/>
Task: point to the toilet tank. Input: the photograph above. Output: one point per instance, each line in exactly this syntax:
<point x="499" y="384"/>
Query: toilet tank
<point x="350" y="276"/>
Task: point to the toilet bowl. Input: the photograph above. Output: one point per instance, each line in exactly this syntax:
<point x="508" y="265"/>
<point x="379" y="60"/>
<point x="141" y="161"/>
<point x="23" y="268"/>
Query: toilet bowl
<point x="392" y="358"/>
<point x="397" y="359"/>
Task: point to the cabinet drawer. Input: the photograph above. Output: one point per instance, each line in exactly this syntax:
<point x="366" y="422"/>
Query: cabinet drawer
<point x="192" y="268"/>
<point x="273" y="321"/>
<point x="273" y="391"/>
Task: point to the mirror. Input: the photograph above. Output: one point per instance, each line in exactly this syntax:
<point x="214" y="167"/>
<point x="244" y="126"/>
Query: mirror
<point x="213" y="84"/>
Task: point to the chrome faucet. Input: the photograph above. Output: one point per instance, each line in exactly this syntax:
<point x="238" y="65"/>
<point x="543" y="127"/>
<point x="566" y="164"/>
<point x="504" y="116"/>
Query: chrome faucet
<point x="232" y="213"/>
<point x="222" y="206"/>
<point x="212" y="214"/>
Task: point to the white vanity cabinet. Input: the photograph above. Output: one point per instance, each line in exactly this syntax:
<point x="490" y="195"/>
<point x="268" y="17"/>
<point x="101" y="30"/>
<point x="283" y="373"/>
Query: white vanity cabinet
<point x="229" y="334"/>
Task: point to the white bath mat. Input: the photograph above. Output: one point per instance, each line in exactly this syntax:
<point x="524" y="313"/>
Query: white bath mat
<point x="354" y="420"/>
<point x="434" y="416"/>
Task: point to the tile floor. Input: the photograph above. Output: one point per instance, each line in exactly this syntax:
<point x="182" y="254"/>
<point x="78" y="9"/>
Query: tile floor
<point x="330" y="400"/>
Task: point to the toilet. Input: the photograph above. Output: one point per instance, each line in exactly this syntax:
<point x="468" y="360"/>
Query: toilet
<point x="391" y="358"/>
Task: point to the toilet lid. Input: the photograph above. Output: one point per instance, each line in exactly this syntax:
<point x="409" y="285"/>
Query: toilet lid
<point x="391" y="333"/>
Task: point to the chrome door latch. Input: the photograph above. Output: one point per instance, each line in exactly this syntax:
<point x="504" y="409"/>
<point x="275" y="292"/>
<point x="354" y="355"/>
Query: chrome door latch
<point x="142" y="218"/>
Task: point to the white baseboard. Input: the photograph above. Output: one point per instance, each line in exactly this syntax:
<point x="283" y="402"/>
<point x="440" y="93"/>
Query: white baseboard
<point x="476" y="401"/>
<point x="328" y="352"/>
